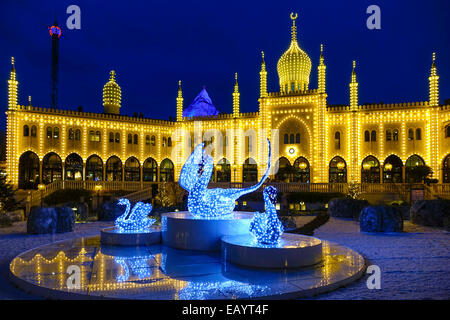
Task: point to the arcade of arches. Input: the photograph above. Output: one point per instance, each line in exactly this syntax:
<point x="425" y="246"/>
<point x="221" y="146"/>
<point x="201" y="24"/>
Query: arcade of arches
<point x="32" y="171"/>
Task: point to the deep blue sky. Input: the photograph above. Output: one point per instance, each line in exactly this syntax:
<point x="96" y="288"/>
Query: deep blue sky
<point x="153" y="44"/>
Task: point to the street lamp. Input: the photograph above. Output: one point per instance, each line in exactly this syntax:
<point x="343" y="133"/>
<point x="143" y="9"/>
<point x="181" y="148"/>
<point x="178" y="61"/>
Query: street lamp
<point x="41" y="188"/>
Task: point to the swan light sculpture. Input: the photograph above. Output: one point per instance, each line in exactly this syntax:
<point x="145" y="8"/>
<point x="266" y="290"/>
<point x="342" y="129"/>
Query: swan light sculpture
<point x="265" y="226"/>
<point x="137" y="219"/>
<point x="204" y="202"/>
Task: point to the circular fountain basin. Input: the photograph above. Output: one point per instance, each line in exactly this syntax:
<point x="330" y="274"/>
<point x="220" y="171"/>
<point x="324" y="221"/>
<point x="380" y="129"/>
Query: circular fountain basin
<point x="114" y="237"/>
<point x="292" y="251"/>
<point x="182" y="230"/>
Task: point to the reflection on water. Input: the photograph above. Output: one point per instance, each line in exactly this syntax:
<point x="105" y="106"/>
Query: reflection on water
<point x="159" y="272"/>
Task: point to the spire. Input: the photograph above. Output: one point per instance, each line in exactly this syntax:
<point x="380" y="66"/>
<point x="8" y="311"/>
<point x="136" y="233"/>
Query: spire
<point x="353" y="90"/>
<point x="321" y="72"/>
<point x="179" y="103"/>
<point x="29" y="101"/>
<point x="263" y="78"/>
<point x="294" y="28"/>
<point x="236" y="95"/>
<point x="112" y="95"/>
<point x="433" y="84"/>
<point x="13" y="85"/>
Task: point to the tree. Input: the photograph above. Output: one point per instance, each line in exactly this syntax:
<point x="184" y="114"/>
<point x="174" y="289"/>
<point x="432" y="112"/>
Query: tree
<point x="418" y="174"/>
<point x="170" y="194"/>
<point x="7" y="199"/>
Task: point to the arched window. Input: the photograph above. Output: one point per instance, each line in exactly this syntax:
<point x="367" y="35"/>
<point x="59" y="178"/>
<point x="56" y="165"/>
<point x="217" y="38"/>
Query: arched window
<point x="166" y="171"/>
<point x="284" y="170"/>
<point x="411" y="164"/>
<point x="147" y="140"/>
<point x="388" y="135"/>
<point x="71" y="134"/>
<point x="286" y="138"/>
<point x="28" y="170"/>
<point x="114" y="169"/>
<point x="55" y="133"/>
<point x="130" y="138"/>
<point x="297" y="138"/>
<point x="111" y="137"/>
<point x="338" y="170"/>
<point x="337" y="140"/>
<point x="418" y="134"/>
<point x="132" y="170"/>
<point x="26" y="131"/>
<point x="77" y="134"/>
<point x="73" y="167"/>
<point x="446" y="170"/>
<point x="301" y="170"/>
<point x="373" y="136"/>
<point x="410" y="134"/>
<point x="250" y="171"/>
<point x="49" y="132"/>
<point x="135" y="139"/>
<point x="51" y="168"/>
<point x="91" y="135"/>
<point x="370" y="170"/>
<point x="164" y="141"/>
<point x="291" y="138"/>
<point x="447" y="131"/>
<point x="169" y="141"/>
<point x="150" y="170"/>
<point x="94" y="168"/>
<point x="223" y="171"/>
<point x="392" y="169"/>
<point x="33" y="131"/>
<point x="98" y="136"/>
<point x="395" y="135"/>
<point x="117" y="137"/>
<point x="366" y="136"/>
<point x="153" y="141"/>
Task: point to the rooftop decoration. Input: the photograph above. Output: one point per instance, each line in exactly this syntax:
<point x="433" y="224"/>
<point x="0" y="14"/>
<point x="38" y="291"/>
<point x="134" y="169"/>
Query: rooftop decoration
<point x="112" y="95"/>
<point x="204" y="202"/>
<point x="137" y="220"/>
<point x="266" y="227"/>
<point x="202" y="106"/>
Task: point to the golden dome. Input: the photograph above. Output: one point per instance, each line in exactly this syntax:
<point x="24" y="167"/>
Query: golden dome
<point x="294" y="65"/>
<point x="112" y="95"/>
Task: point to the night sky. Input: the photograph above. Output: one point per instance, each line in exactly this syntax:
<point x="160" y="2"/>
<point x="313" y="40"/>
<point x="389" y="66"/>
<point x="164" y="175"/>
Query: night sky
<point x="153" y="44"/>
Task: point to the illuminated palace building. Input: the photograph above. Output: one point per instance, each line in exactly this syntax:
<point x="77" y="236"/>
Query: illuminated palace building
<point x="317" y="142"/>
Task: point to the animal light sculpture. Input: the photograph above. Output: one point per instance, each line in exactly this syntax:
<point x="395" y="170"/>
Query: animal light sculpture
<point x="137" y="219"/>
<point x="265" y="226"/>
<point x="210" y="203"/>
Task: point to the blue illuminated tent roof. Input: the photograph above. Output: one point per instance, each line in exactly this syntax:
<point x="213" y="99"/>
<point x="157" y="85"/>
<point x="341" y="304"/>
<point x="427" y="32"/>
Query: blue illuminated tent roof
<point x="202" y="106"/>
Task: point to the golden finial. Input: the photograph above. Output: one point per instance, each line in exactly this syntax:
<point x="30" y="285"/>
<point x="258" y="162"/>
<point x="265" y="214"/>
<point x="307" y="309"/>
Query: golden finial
<point x="321" y="48"/>
<point x="354" y="64"/>
<point x="294" y="16"/>
<point x="179" y="83"/>
<point x="294" y="28"/>
<point x="235" y="76"/>
<point x="112" y="75"/>
<point x="434" y="56"/>
<point x="12" y="61"/>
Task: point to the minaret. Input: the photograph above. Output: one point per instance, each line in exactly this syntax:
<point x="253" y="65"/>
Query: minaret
<point x="179" y="103"/>
<point x="321" y="72"/>
<point x="434" y="84"/>
<point x="236" y="95"/>
<point x="263" y="78"/>
<point x="112" y="95"/>
<point x="13" y="85"/>
<point x="353" y="90"/>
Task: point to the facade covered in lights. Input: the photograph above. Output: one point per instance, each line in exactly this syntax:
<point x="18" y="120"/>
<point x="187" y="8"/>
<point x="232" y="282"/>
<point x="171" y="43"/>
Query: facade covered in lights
<point x="317" y="142"/>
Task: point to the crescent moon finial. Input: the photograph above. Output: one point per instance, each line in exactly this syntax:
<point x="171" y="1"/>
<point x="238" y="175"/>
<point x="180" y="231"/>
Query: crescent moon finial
<point x="294" y="16"/>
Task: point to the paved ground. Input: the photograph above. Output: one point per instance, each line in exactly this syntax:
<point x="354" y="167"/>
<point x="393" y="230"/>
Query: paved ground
<point x="414" y="264"/>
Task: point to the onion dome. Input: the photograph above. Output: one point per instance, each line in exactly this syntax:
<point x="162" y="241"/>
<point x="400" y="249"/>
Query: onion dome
<point x="294" y="66"/>
<point x="112" y="95"/>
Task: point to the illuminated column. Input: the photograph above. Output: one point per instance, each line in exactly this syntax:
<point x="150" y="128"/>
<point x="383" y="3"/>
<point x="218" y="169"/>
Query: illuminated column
<point x="112" y="95"/>
<point x="179" y="103"/>
<point x="263" y="78"/>
<point x="434" y="120"/>
<point x="321" y="72"/>
<point x="13" y="85"/>
<point x="236" y="95"/>
<point x="354" y="128"/>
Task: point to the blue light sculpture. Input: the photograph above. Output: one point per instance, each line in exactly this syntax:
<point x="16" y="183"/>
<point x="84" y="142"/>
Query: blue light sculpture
<point x="265" y="226"/>
<point x="137" y="220"/>
<point x="204" y="202"/>
<point x="139" y="267"/>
